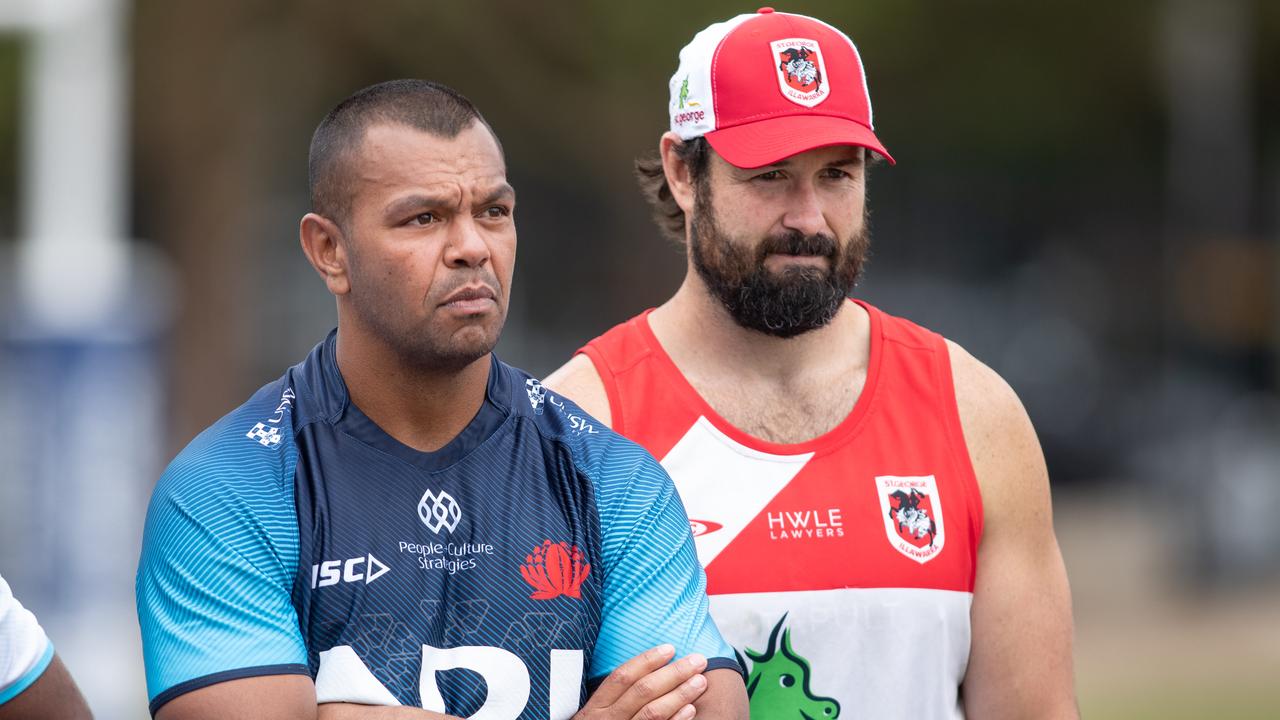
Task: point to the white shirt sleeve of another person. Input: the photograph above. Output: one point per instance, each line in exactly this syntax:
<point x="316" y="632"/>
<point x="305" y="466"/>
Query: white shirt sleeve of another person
<point x="25" y="651"/>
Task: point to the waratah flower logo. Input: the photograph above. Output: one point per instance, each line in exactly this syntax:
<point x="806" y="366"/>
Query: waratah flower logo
<point x="555" y="569"/>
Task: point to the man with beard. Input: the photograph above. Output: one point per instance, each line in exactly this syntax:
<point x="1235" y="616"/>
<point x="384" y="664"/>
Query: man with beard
<point x="870" y="502"/>
<point x="403" y="521"/>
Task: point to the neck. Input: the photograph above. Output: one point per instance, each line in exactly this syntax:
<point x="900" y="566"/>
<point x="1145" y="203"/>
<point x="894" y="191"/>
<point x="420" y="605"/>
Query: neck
<point x="418" y="406"/>
<point x="700" y="335"/>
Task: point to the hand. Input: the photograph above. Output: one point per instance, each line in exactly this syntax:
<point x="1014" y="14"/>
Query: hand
<point x="646" y="687"/>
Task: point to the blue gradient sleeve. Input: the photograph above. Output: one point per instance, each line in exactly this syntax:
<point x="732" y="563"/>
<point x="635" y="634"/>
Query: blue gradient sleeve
<point x="655" y="591"/>
<point x="219" y="556"/>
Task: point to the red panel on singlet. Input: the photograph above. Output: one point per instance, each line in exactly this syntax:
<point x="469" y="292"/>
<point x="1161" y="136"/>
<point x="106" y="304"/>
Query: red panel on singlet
<point x="886" y="499"/>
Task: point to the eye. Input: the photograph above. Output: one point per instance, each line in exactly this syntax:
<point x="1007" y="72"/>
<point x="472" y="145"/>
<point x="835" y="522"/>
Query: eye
<point x="497" y="211"/>
<point x="425" y="218"/>
<point x="787" y="680"/>
<point x="769" y="176"/>
<point x="835" y="174"/>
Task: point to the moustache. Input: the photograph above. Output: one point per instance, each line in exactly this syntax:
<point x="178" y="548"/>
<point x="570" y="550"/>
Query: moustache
<point x="458" y="280"/>
<point x="797" y="243"/>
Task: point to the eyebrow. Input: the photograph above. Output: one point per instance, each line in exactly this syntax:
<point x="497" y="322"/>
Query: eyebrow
<point x="412" y="202"/>
<point x="500" y="192"/>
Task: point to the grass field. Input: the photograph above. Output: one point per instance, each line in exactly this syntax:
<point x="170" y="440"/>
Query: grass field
<point x="1147" y="644"/>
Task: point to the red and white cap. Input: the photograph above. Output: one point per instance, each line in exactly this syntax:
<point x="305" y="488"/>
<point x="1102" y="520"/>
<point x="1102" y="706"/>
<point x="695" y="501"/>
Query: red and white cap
<point x="764" y="86"/>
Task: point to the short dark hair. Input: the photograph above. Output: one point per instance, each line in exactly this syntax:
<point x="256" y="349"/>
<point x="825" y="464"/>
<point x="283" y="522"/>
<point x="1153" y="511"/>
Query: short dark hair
<point x="421" y="104"/>
<point x="696" y="153"/>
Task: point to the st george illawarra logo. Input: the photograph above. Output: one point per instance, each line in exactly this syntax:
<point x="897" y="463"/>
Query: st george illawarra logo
<point x="912" y="513"/>
<point x="802" y="74"/>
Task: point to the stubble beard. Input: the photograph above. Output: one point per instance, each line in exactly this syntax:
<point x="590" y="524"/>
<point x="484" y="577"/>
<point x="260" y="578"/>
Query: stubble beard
<point x="416" y="343"/>
<point x="786" y="304"/>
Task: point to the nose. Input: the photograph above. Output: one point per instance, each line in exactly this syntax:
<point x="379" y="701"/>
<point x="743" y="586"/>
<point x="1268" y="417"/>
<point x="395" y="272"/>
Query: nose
<point x="467" y="246"/>
<point x="805" y="211"/>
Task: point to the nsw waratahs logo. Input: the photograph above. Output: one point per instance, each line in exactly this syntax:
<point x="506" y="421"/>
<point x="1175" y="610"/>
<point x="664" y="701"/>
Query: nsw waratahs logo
<point x="555" y="569"/>
<point x="802" y="75"/>
<point x="912" y="514"/>
<point x="778" y="682"/>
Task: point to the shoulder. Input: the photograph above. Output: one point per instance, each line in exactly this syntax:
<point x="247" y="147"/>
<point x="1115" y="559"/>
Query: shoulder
<point x="592" y="375"/>
<point x="1000" y="438"/>
<point x="990" y="411"/>
<point x="254" y="440"/>
<point x="579" y="379"/>
<point x="235" y="478"/>
<point x="617" y="467"/>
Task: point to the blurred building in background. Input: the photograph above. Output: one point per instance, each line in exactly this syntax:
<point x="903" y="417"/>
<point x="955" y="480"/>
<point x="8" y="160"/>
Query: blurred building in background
<point x="1087" y="198"/>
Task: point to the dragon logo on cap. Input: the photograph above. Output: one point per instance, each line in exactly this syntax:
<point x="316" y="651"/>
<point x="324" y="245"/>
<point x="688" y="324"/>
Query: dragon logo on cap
<point x="801" y="71"/>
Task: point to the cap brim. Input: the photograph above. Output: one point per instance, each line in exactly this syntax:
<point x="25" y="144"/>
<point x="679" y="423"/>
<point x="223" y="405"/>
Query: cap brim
<point x="767" y="141"/>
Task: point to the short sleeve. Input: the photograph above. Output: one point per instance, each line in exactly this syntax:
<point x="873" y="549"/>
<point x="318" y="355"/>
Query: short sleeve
<point x="215" y="579"/>
<point x="655" y="591"/>
<point x="25" y="651"/>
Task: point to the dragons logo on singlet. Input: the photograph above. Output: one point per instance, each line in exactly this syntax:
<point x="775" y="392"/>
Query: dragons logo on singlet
<point x="911" y="512"/>
<point x="778" y="684"/>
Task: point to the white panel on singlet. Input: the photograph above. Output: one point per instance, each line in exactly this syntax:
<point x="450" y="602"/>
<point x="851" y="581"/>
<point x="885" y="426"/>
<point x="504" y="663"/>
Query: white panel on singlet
<point x="726" y="482"/>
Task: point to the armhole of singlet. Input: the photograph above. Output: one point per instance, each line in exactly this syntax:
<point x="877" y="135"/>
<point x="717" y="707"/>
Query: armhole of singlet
<point x="610" y="383"/>
<point x="956" y="439"/>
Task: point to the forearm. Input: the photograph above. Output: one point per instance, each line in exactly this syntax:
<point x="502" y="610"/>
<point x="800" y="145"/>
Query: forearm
<point x="352" y="711"/>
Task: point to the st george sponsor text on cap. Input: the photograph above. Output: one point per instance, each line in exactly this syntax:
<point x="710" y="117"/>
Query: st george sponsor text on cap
<point x="767" y="85"/>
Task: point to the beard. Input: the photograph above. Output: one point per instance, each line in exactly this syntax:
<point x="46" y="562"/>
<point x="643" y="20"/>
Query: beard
<point x="782" y="304"/>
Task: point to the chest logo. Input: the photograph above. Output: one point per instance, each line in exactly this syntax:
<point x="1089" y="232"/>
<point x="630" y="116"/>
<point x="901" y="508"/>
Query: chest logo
<point x="555" y="569"/>
<point x="778" y="683"/>
<point x="912" y="513"/>
<point x="702" y="527"/>
<point x="439" y="511"/>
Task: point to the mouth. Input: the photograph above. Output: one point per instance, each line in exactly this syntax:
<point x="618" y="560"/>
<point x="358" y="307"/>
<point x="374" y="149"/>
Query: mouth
<point x="471" y="299"/>
<point x="784" y="259"/>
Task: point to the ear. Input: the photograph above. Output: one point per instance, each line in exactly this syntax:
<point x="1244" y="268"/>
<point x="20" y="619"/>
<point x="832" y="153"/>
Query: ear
<point x="325" y="247"/>
<point x="677" y="172"/>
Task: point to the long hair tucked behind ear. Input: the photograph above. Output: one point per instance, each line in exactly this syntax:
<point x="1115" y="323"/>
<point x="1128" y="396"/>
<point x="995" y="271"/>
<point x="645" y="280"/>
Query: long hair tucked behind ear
<point x="653" y="184"/>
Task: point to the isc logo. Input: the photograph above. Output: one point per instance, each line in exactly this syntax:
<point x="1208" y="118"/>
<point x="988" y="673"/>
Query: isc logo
<point x="332" y="572"/>
<point x="343" y="677"/>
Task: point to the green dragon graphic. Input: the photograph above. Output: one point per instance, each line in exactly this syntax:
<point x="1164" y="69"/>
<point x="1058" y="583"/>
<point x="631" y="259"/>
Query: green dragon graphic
<point x="684" y="92"/>
<point x="778" y="684"/>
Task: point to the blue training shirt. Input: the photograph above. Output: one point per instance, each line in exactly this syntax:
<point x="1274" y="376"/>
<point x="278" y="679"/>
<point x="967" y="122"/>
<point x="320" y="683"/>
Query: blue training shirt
<point x="507" y="572"/>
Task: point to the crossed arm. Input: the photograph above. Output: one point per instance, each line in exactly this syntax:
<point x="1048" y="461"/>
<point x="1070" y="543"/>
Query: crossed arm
<point x="647" y="687"/>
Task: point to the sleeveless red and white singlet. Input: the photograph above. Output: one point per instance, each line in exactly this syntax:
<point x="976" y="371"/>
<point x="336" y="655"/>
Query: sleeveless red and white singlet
<point x="842" y="567"/>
